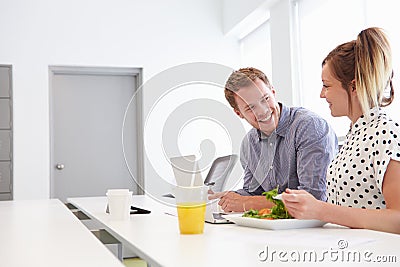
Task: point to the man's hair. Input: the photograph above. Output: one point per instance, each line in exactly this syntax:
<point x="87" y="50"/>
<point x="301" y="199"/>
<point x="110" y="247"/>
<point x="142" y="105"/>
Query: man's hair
<point x="242" y="78"/>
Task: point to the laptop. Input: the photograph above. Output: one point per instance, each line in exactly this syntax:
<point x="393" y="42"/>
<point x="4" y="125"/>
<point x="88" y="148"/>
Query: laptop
<point x="186" y="172"/>
<point x="220" y="169"/>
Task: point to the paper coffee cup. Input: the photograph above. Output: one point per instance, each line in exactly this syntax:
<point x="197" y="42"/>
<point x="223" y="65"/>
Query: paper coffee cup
<point x="119" y="201"/>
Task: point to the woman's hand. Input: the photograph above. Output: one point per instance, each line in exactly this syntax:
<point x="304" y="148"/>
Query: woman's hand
<point x="301" y="204"/>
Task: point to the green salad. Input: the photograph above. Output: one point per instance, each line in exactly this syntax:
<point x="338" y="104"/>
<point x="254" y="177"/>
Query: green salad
<point x="276" y="212"/>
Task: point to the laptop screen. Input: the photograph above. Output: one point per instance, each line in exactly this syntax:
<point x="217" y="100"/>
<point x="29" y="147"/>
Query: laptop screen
<point x="219" y="172"/>
<point x="187" y="173"/>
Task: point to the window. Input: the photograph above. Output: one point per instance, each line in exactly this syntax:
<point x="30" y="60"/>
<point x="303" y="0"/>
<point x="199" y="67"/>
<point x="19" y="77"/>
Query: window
<point x="384" y="14"/>
<point x="255" y="50"/>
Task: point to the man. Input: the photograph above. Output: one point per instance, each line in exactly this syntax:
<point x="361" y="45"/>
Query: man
<point x="287" y="147"/>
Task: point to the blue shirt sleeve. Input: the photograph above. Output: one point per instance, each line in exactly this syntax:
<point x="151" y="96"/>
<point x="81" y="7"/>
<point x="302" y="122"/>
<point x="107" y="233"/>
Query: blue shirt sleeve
<point x="245" y="156"/>
<point x="248" y="176"/>
<point x="316" y="146"/>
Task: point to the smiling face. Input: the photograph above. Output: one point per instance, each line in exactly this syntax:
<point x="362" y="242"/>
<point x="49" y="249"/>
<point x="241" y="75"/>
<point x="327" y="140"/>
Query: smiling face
<point x="257" y="105"/>
<point x="336" y="96"/>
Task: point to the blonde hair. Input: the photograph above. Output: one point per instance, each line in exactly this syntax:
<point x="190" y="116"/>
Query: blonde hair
<point x="373" y="68"/>
<point x="368" y="61"/>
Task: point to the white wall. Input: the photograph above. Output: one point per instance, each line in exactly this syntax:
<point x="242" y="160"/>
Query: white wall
<point x="155" y="35"/>
<point x="241" y="17"/>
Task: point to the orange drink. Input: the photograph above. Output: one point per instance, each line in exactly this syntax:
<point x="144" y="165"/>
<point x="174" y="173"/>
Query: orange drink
<point x="191" y="206"/>
<point x="191" y="217"/>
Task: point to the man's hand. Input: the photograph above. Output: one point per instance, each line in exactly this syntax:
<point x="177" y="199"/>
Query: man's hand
<point x="230" y="201"/>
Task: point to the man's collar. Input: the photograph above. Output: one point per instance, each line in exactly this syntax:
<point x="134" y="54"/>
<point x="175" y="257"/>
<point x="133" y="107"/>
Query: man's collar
<point x="284" y="120"/>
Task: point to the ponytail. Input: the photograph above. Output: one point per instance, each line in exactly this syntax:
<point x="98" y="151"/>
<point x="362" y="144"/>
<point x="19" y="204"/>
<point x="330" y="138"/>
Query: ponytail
<point x="373" y="69"/>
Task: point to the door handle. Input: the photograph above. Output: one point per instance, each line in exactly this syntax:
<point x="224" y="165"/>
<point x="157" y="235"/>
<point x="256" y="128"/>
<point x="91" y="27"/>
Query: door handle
<point x="59" y="166"/>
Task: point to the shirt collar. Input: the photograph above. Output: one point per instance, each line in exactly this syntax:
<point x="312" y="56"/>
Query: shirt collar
<point x="284" y="120"/>
<point x="363" y="121"/>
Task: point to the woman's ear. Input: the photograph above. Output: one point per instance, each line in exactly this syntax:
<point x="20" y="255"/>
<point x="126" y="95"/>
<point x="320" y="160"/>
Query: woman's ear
<point x="273" y="90"/>
<point x="353" y="85"/>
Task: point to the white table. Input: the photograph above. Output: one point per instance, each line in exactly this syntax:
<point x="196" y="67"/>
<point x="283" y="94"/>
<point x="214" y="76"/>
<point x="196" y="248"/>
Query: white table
<point x="45" y="233"/>
<point x="155" y="238"/>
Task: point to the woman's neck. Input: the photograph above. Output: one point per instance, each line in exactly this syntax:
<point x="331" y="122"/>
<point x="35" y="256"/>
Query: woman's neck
<point x="356" y="112"/>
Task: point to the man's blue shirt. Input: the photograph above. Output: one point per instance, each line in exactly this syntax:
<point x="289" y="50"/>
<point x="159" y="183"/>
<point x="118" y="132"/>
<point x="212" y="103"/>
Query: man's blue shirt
<point x="295" y="156"/>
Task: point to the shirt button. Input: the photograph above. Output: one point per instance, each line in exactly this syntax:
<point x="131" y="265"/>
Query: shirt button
<point x="271" y="167"/>
<point x="270" y="144"/>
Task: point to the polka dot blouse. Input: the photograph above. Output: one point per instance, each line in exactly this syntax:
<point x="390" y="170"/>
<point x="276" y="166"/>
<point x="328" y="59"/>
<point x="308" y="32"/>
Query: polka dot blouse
<point x="355" y="176"/>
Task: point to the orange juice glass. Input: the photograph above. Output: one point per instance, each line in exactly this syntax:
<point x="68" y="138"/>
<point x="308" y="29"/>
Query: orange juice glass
<point x="191" y="217"/>
<point x="191" y="206"/>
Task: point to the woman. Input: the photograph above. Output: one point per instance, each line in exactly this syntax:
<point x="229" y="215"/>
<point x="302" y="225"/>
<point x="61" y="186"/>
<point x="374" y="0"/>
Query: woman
<point x="363" y="181"/>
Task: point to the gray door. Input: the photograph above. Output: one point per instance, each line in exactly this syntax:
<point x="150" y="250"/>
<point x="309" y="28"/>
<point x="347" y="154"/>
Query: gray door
<point x="6" y="132"/>
<point x="87" y="109"/>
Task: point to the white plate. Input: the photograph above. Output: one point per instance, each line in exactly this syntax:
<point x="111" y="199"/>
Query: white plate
<point x="277" y="224"/>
